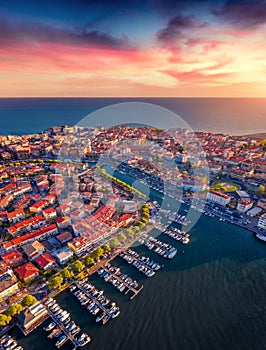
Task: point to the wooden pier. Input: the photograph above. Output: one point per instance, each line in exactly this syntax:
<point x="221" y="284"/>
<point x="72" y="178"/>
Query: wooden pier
<point x="129" y="288"/>
<point x="69" y="336"/>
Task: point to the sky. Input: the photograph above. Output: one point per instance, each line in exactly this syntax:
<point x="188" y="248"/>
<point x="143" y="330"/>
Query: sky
<point x="118" y="48"/>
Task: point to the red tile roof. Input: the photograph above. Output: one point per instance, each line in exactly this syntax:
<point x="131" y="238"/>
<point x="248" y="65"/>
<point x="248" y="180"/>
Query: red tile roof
<point x="26" y="271"/>
<point x="44" y="260"/>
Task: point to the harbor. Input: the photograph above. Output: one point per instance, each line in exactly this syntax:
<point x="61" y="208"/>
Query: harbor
<point x="119" y="280"/>
<point x="95" y="301"/>
<point x="177" y="235"/>
<point x="163" y="249"/>
<point x="63" y="327"/>
<point x="143" y="264"/>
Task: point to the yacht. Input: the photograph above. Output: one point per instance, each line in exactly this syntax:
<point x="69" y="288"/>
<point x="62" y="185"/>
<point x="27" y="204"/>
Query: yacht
<point x="49" y="327"/>
<point x="83" y="339"/>
<point x="106" y="318"/>
<point x="4" y="339"/>
<point x="115" y="313"/>
<point x="11" y="345"/>
<point x="60" y="341"/>
<point x="100" y="317"/>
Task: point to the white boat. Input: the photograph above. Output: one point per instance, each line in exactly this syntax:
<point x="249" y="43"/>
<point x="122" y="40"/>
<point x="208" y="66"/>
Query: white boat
<point x="60" y="341"/>
<point x="84" y="339"/>
<point x="49" y="327"/>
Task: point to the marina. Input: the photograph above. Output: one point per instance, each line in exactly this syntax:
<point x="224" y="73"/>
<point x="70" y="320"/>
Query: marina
<point x="165" y="250"/>
<point x="62" y="327"/>
<point x="119" y="280"/>
<point x="177" y="235"/>
<point x="143" y="264"/>
<point x="8" y="343"/>
<point x="95" y="301"/>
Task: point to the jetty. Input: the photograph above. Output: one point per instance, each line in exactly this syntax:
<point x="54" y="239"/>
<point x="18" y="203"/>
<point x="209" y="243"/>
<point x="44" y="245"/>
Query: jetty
<point x="143" y="264"/>
<point x="163" y="249"/>
<point x="121" y="281"/>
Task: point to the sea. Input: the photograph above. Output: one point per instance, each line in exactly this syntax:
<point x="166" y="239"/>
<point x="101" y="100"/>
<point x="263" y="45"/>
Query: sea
<point x="211" y="295"/>
<point x="236" y="116"/>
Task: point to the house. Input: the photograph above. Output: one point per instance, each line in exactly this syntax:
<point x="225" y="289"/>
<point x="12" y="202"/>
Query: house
<point x="33" y="250"/>
<point x="45" y="261"/>
<point x="63" y="255"/>
<point x="38" y="206"/>
<point x="63" y="209"/>
<point x="49" y="213"/>
<point x="63" y="222"/>
<point x="8" y="282"/>
<point x="42" y="233"/>
<point x="16" y="215"/>
<point x="32" y="317"/>
<point x="64" y="237"/>
<point x="13" y="258"/>
<point x="79" y="245"/>
<point x="27" y="272"/>
<point x="77" y="215"/>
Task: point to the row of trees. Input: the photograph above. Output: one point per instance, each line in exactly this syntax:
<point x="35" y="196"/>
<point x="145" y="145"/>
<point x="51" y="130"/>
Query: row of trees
<point x="120" y="183"/>
<point x="16" y="309"/>
<point x="129" y="233"/>
<point x="77" y="267"/>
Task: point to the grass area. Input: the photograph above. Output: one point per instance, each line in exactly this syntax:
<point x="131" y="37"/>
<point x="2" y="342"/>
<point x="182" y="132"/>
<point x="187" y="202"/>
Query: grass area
<point x="225" y="186"/>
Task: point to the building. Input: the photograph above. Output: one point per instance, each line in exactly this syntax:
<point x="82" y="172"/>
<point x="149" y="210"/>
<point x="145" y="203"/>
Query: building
<point x="262" y="203"/>
<point x="64" y="237"/>
<point x="79" y="245"/>
<point x="27" y="272"/>
<point x="63" y="255"/>
<point x="49" y="213"/>
<point x="244" y="205"/>
<point x="16" y="215"/>
<point x="32" y="317"/>
<point x="46" y="261"/>
<point x="42" y="233"/>
<point x="219" y="198"/>
<point x="63" y="222"/>
<point x="254" y="211"/>
<point x="33" y="250"/>
<point x="8" y="282"/>
<point x="13" y="258"/>
<point x="262" y="221"/>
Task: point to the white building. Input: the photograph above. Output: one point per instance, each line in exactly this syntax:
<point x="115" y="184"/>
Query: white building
<point x="262" y="222"/>
<point x="219" y="198"/>
<point x="243" y="206"/>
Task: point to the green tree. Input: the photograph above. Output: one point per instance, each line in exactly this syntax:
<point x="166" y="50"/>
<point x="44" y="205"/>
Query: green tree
<point x="67" y="274"/>
<point x="28" y="301"/>
<point x="4" y="320"/>
<point x="114" y="242"/>
<point x="89" y="260"/>
<point x="14" y="309"/>
<point x="97" y="253"/>
<point x="106" y="247"/>
<point x="261" y="191"/>
<point x="122" y="237"/>
<point x="78" y="266"/>
<point x="56" y="282"/>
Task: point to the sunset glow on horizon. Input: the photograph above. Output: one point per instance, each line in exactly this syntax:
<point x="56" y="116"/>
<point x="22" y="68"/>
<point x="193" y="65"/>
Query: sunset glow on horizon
<point x="174" y="49"/>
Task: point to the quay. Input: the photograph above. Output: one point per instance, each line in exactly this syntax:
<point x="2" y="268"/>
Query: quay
<point x="114" y="276"/>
